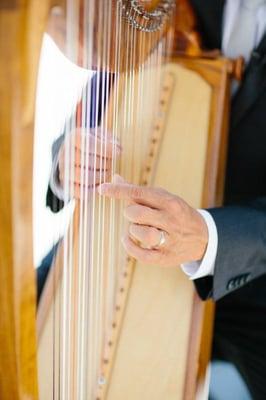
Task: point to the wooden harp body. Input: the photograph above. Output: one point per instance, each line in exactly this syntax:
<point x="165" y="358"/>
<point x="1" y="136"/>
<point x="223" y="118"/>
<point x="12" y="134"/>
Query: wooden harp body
<point x="157" y="308"/>
<point x="155" y="333"/>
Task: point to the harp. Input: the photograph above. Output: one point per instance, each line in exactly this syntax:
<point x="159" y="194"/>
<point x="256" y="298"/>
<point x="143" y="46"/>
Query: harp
<point x="98" y="339"/>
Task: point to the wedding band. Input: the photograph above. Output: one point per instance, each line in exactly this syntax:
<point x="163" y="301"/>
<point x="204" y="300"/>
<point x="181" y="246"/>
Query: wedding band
<point x="161" y="242"/>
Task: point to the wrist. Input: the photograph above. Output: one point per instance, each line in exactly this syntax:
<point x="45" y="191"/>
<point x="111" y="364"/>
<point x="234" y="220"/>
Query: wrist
<point x="202" y="237"/>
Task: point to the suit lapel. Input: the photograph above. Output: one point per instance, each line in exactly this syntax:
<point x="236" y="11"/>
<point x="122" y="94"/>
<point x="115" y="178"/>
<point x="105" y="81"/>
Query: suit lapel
<point x="253" y="85"/>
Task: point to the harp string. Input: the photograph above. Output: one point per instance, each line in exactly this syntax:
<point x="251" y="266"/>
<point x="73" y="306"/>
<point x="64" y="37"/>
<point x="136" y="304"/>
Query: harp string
<point x="133" y="116"/>
<point x="76" y="265"/>
<point x="85" y="201"/>
<point x="68" y="295"/>
<point x="79" y="290"/>
<point x="114" y="162"/>
<point x="81" y="260"/>
<point x="97" y="289"/>
<point x="123" y="115"/>
<point x="106" y="222"/>
<point x="100" y="237"/>
<point x="107" y="136"/>
<point x="83" y="233"/>
<point x="89" y="286"/>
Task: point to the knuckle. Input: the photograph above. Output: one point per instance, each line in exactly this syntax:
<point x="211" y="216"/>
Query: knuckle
<point x="174" y="204"/>
<point x="163" y="196"/>
<point x="137" y="192"/>
<point x="161" y="191"/>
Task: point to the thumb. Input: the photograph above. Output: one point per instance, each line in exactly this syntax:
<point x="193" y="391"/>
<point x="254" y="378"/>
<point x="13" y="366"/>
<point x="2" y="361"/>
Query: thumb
<point x="118" y="179"/>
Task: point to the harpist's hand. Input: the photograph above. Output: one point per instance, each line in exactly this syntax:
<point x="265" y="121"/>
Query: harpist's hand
<point x="153" y="211"/>
<point x="85" y="161"/>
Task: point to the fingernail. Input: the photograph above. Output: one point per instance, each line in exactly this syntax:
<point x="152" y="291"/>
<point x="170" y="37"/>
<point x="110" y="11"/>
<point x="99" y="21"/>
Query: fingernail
<point x="118" y="179"/>
<point x="130" y="229"/>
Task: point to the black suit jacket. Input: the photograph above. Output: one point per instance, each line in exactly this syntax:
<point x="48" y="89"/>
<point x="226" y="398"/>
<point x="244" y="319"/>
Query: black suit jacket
<point x="241" y="223"/>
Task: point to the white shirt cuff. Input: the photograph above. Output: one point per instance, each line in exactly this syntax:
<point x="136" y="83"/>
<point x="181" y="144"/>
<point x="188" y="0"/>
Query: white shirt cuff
<point x="205" y="266"/>
<point x="57" y="189"/>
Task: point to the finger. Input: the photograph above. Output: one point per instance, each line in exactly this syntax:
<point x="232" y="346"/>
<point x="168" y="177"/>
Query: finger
<point x="148" y="237"/>
<point x="93" y="163"/>
<point x="79" y="192"/>
<point x="155" y="198"/>
<point x="100" y="145"/>
<point x="89" y="178"/>
<point x="143" y="215"/>
<point x="119" y="179"/>
<point x="90" y="163"/>
<point x="80" y="133"/>
<point x="143" y="255"/>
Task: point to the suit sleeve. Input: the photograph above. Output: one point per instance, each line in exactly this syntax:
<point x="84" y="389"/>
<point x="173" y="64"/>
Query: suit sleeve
<point x="241" y="252"/>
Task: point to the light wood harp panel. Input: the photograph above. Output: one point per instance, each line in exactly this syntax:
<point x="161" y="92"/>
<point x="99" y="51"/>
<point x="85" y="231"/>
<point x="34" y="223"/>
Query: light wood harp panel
<point x="159" y="348"/>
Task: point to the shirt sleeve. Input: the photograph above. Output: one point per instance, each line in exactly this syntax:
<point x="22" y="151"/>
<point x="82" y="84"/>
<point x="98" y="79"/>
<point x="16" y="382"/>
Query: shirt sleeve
<point x="205" y="266"/>
<point x="55" y="185"/>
